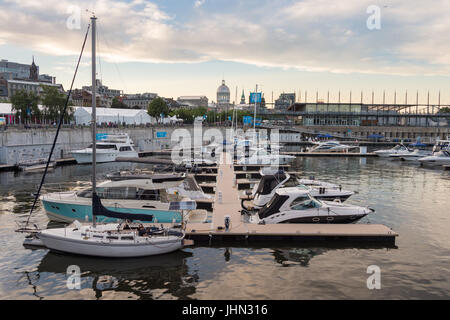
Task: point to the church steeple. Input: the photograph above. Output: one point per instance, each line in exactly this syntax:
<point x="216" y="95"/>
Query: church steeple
<point x="34" y="71"/>
<point x="243" y="97"/>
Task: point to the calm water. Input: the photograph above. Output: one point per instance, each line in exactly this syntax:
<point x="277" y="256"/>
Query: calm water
<point x="413" y="201"/>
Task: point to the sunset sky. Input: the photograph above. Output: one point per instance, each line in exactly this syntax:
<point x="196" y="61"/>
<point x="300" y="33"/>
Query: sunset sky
<point x="186" y="47"/>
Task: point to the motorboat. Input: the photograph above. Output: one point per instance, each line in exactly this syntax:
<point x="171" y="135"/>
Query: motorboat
<point x="271" y="181"/>
<point x="261" y="156"/>
<point x="295" y="205"/>
<point x="414" y="155"/>
<point x="146" y="196"/>
<point x="330" y="146"/>
<point x="398" y="149"/>
<point x="35" y="165"/>
<point x="439" y="158"/>
<point x="442" y="145"/>
<point x="109" y="149"/>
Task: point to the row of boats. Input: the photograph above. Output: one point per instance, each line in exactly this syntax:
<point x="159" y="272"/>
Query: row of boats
<point x="439" y="156"/>
<point x="283" y="198"/>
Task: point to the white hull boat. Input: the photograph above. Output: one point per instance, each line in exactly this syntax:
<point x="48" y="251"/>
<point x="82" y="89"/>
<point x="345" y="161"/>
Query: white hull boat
<point x="106" y="241"/>
<point x="272" y="180"/>
<point x="292" y="205"/>
<point x="398" y="149"/>
<point x="440" y="158"/>
<point x="330" y="146"/>
<point x="108" y="150"/>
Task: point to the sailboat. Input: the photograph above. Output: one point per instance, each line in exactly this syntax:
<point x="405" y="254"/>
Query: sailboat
<point x="114" y="240"/>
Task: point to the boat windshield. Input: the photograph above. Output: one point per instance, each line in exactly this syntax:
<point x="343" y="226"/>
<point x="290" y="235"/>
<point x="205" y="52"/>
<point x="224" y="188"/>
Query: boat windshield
<point x="268" y="183"/>
<point x="123" y="193"/>
<point x="273" y="206"/>
<point x="305" y="202"/>
<point x="104" y="146"/>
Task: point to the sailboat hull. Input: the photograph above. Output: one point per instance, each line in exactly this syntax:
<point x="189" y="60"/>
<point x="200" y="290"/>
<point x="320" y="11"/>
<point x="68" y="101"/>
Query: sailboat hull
<point x="55" y="240"/>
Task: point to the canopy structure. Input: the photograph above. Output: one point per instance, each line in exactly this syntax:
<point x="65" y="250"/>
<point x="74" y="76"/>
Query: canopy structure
<point x="375" y="136"/>
<point x="325" y="136"/>
<point x="82" y="116"/>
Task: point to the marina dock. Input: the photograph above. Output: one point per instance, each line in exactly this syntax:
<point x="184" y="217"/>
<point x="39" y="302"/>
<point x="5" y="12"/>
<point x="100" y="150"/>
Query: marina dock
<point x="227" y="203"/>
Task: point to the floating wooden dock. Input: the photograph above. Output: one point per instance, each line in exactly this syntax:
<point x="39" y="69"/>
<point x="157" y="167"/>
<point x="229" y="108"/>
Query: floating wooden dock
<point x="329" y="154"/>
<point x="227" y="203"/>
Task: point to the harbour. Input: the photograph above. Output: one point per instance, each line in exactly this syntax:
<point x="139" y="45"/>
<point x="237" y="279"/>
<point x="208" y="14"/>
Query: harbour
<point x="418" y="254"/>
<point x="116" y="192"/>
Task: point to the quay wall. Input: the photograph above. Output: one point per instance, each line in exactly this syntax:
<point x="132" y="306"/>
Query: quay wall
<point x="18" y="145"/>
<point x="427" y="134"/>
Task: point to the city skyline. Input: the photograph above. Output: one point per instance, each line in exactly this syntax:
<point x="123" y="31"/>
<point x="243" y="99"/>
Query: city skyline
<point x="178" y="49"/>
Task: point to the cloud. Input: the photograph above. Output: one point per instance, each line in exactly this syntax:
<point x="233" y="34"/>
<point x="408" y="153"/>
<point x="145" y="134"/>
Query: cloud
<point x="313" y="35"/>
<point x="199" y="3"/>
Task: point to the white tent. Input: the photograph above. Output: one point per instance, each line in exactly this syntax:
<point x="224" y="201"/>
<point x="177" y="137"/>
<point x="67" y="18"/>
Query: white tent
<point x="171" y="120"/>
<point x="83" y="116"/>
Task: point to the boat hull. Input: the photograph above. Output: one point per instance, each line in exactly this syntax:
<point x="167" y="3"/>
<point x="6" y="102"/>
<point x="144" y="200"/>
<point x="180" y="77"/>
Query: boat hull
<point x="68" y="212"/>
<point x="326" y="219"/>
<point x="109" y="249"/>
<point x="86" y="157"/>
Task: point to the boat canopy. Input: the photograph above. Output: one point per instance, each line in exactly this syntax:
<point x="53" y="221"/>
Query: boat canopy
<point x="99" y="210"/>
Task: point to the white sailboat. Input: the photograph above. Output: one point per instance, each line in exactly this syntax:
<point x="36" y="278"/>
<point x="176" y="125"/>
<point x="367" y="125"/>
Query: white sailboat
<point x="116" y="240"/>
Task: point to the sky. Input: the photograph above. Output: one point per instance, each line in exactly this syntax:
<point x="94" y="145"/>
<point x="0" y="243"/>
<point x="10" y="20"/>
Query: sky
<point x="186" y="47"/>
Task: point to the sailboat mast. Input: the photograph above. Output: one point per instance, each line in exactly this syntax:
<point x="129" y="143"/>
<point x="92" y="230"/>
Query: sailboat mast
<point x="94" y="117"/>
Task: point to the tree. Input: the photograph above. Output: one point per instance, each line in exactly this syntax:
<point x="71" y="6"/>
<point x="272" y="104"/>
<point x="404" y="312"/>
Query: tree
<point x="53" y="101"/>
<point x="118" y="104"/>
<point x="157" y="107"/>
<point x="25" y="103"/>
<point x="444" y="110"/>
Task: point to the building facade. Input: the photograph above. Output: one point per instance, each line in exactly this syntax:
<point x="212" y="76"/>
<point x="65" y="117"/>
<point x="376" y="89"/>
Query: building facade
<point x="103" y="90"/>
<point x="138" y="101"/>
<point x="30" y="86"/>
<point x="284" y="101"/>
<point x="13" y="70"/>
<point x="193" y="101"/>
<point x="223" y="96"/>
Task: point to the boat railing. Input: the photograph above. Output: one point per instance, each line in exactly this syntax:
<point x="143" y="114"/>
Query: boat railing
<point x="59" y="188"/>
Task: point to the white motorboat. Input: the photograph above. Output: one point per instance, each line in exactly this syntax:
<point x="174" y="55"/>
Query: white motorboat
<point x="330" y="146"/>
<point x="398" y="149"/>
<point x="442" y="145"/>
<point x="108" y="149"/>
<point x="36" y="165"/>
<point x="272" y="180"/>
<point x="413" y="155"/>
<point x="439" y="158"/>
<point x="261" y="156"/>
<point x="294" y="205"/>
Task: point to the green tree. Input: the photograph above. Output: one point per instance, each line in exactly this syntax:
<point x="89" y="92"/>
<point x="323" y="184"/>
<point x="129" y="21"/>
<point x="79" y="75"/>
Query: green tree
<point x="117" y="104"/>
<point x="157" y="107"/>
<point x="53" y="101"/>
<point x="444" y="110"/>
<point x="25" y="104"/>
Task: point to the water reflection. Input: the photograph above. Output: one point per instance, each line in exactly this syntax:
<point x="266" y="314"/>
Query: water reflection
<point x="144" y="278"/>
